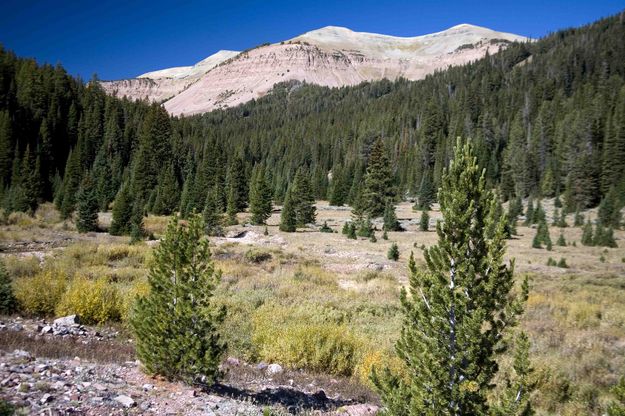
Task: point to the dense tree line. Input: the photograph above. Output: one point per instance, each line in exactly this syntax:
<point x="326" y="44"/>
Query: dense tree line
<point x="547" y="119"/>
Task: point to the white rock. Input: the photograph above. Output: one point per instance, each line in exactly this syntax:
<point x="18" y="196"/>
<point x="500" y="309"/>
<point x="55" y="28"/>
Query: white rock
<point x="67" y="320"/>
<point x="273" y="369"/>
<point x="125" y="400"/>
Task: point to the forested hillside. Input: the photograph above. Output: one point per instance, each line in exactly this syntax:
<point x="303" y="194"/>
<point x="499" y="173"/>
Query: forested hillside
<point x="547" y="118"/>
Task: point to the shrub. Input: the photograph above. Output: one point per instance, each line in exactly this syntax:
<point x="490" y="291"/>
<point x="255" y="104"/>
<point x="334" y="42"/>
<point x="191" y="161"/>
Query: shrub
<point x="95" y="302"/>
<point x="325" y="228"/>
<point x="378" y="360"/>
<point x="39" y="295"/>
<point x="393" y="252"/>
<point x="551" y="262"/>
<point x="562" y="263"/>
<point x="301" y="344"/>
<point x="256" y="255"/>
<point x="129" y="294"/>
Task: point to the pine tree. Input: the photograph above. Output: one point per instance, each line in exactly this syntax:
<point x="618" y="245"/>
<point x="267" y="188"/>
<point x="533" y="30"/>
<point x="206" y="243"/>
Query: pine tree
<point x="393" y="252"/>
<point x="303" y="199"/>
<point x="390" y="218"/>
<point x="122" y="212"/>
<point x="71" y="183"/>
<point x="231" y="207"/>
<point x="384" y="236"/>
<point x="288" y="219"/>
<point x="609" y="214"/>
<point x="260" y="197"/>
<point x="427" y="192"/>
<point x="604" y="237"/>
<point x="213" y="213"/>
<point x="617" y="407"/>
<point x="539" y="214"/>
<point x="458" y="309"/>
<point x="87" y="206"/>
<point x="167" y="197"/>
<point x="351" y="233"/>
<point x="556" y="217"/>
<point x="587" y="234"/>
<point x="325" y="228"/>
<point x="236" y="183"/>
<point x="177" y="324"/>
<point x="529" y="214"/>
<point x="8" y="302"/>
<point x="365" y="228"/>
<point x="137" y="230"/>
<point x="562" y="221"/>
<point x="424" y="222"/>
<point x="379" y="184"/>
<point x="561" y="241"/>
<point x="31" y="180"/>
<point x="578" y="220"/>
<point x="542" y="236"/>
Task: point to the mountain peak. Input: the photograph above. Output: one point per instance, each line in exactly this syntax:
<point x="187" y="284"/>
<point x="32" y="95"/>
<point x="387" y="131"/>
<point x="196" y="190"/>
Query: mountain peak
<point x="340" y="57"/>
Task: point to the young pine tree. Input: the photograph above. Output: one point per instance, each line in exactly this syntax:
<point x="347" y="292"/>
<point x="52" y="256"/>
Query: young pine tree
<point x="303" y="199"/>
<point x="213" y="213"/>
<point x="458" y="308"/>
<point x="424" y="222"/>
<point x="87" y="206"/>
<point x="122" y="212"/>
<point x="390" y="218"/>
<point x="288" y="219"/>
<point x="8" y="302"/>
<point x="137" y="230"/>
<point x="260" y="197"/>
<point x="177" y="324"/>
<point x="393" y="252"/>
<point x="587" y="234"/>
<point x="578" y="220"/>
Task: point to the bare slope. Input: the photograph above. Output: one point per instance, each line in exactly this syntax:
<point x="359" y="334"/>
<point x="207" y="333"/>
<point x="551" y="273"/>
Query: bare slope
<point x="331" y="56"/>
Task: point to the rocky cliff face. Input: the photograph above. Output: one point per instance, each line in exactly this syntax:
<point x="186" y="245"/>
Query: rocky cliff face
<point x="330" y="56"/>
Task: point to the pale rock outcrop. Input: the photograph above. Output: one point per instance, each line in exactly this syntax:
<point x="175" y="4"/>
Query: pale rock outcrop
<point x="330" y="56"/>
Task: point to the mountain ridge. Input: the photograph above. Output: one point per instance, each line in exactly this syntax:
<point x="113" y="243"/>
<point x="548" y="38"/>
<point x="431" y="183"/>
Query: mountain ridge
<point x="330" y="56"/>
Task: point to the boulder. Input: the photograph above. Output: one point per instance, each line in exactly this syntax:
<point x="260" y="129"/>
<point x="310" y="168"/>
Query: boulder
<point x="67" y="320"/>
<point x="273" y="369"/>
<point x="125" y="401"/>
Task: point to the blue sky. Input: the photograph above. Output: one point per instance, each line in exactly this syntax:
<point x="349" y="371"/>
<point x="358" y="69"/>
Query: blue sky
<point x="121" y="39"/>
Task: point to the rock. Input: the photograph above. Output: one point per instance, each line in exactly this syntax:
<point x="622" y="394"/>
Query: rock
<point x="125" y="400"/>
<point x="46" y="329"/>
<point x="273" y="369"/>
<point x="47" y="398"/>
<point x="100" y="387"/>
<point x="147" y="387"/>
<point x="233" y="361"/>
<point x="22" y="354"/>
<point x="67" y="320"/>
<point x="358" y="410"/>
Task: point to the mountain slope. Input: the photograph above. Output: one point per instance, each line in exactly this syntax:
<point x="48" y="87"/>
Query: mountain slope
<point x="331" y="56"/>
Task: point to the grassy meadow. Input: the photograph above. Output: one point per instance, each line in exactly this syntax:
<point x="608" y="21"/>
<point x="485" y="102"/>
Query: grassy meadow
<point x="322" y="303"/>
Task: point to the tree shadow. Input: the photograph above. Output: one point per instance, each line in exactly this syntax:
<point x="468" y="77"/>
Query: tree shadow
<point x="293" y="400"/>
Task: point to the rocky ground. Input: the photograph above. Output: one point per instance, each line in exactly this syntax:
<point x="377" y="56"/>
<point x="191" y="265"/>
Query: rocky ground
<point x="108" y="385"/>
